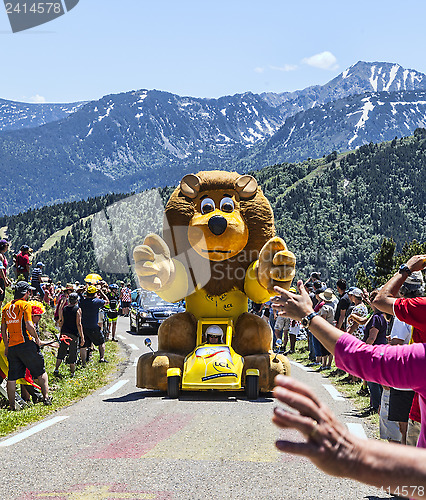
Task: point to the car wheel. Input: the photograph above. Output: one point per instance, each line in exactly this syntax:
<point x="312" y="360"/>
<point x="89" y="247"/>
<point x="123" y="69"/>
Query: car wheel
<point x="252" y="386"/>
<point x="173" y="386"/>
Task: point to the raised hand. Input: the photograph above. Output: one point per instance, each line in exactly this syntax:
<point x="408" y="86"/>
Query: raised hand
<point x="153" y="264"/>
<point x="276" y="265"/>
<point x="329" y="444"/>
<point x="417" y="263"/>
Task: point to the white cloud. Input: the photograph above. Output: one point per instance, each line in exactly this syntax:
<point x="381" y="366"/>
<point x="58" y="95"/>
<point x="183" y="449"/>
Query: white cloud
<point x="259" y="70"/>
<point x="286" y="67"/>
<point x="37" y="99"/>
<point x="323" y="60"/>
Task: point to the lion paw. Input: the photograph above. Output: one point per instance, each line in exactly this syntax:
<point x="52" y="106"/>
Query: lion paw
<point x="276" y="265"/>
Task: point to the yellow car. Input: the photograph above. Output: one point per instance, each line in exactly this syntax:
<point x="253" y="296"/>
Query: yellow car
<point x="213" y="364"/>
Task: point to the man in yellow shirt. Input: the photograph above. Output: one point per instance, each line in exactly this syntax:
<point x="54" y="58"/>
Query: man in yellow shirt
<point x="22" y="344"/>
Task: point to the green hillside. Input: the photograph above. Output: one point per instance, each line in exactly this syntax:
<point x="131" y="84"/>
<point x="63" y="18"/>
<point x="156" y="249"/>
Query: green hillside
<point x="333" y="213"/>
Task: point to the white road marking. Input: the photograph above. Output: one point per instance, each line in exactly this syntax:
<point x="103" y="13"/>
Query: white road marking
<point x="33" y="430"/>
<point x="121" y="337"/>
<point x="299" y="365"/>
<point x="334" y="393"/>
<point x="134" y="347"/>
<point x="358" y="430"/>
<point x="114" y="388"/>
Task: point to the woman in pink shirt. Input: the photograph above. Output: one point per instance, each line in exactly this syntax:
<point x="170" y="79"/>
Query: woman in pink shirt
<point x="329" y="445"/>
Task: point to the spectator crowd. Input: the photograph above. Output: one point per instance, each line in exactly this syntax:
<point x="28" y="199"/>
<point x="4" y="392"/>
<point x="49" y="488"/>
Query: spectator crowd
<point x="85" y="316"/>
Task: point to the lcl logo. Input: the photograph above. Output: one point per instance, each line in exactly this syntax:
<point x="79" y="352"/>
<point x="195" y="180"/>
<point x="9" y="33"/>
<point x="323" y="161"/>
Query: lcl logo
<point x="26" y="14"/>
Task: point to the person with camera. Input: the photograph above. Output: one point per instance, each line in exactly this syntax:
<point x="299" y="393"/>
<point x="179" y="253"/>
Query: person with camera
<point x="90" y="303"/>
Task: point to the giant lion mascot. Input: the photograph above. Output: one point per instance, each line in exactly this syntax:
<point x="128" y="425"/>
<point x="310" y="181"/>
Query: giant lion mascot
<point x="218" y="250"/>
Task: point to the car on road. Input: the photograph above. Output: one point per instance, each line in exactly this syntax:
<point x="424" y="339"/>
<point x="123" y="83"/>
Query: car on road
<point x="148" y="311"/>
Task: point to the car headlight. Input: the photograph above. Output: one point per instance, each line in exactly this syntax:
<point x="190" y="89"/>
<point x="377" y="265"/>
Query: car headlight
<point x="144" y="314"/>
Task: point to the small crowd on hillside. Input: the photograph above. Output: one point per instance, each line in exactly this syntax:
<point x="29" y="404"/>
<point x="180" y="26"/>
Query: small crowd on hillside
<point x="352" y="310"/>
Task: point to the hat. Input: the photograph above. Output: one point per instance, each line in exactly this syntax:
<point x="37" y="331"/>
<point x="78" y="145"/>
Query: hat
<point x="214" y="330"/>
<point x="414" y="281"/>
<point x="73" y="297"/>
<point x="350" y="289"/>
<point x="23" y="287"/>
<point x="91" y="289"/>
<point x="25" y="248"/>
<point x="327" y="295"/>
<point x="357" y="292"/>
<point x="39" y="264"/>
<point x="3" y="241"/>
<point x="37" y="308"/>
<point x="69" y="286"/>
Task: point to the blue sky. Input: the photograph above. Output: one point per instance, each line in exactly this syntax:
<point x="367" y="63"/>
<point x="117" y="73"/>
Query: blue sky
<point x="204" y="48"/>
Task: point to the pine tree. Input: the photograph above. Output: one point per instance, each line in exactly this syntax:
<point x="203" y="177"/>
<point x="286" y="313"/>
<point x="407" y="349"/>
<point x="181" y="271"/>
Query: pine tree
<point x="363" y="280"/>
<point x="384" y="262"/>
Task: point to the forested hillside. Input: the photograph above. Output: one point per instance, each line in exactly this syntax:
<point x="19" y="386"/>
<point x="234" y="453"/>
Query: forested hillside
<point x="333" y="213"/>
<point x="33" y="227"/>
<point x="335" y="218"/>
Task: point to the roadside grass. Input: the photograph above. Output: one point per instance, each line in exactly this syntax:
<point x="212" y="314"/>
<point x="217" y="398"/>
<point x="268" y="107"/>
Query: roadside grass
<point x="64" y="390"/>
<point x="349" y="390"/>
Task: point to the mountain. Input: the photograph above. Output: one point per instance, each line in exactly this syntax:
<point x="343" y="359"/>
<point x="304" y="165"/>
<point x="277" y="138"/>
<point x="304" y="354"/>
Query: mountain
<point x="145" y="138"/>
<point x="18" y="115"/>
<point x="360" y="78"/>
<point x="342" y="125"/>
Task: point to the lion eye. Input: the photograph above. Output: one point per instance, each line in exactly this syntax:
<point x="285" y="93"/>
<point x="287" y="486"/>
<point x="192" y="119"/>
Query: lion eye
<point x="207" y="206"/>
<point x="227" y="205"/>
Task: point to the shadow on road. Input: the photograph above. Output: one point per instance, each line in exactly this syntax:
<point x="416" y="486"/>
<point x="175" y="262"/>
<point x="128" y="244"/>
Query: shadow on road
<point x="142" y="335"/>
<point x="372" y="497"/>
<point x="190" y="396"/>
<point x="135" y="396"/>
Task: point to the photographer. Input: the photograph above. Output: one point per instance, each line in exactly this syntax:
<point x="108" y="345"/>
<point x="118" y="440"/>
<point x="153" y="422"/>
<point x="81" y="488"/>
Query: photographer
<point x="90" y="305"/>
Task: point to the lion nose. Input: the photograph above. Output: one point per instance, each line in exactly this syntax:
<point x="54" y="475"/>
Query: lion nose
<point x="217" y="224"/>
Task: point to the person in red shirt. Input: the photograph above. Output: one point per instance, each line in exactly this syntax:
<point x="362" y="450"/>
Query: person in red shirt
<point x="22" y="262"/>
<point x="413" y="312"/>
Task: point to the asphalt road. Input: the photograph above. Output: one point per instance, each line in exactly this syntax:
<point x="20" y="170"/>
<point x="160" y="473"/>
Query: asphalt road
<point x="124" y="442"/>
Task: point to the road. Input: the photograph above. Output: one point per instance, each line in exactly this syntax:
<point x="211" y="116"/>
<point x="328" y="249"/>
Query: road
<point x="124" y="442"/>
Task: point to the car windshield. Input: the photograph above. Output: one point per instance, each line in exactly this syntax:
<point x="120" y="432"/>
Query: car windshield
<point x="154" y="301"/>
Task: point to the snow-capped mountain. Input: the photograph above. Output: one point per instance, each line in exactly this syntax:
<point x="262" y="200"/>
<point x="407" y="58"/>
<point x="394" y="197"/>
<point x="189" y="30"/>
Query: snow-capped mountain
<point x="18" y="115"/>
<point x="147" y="138"/>
<point x="360" y="78"/>
<point x="342" y="125"/>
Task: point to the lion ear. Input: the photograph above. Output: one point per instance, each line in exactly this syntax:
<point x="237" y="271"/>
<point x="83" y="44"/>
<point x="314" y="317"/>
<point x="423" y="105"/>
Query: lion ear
<point x="246" y="186"/>
<point x="190" y="185"/>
